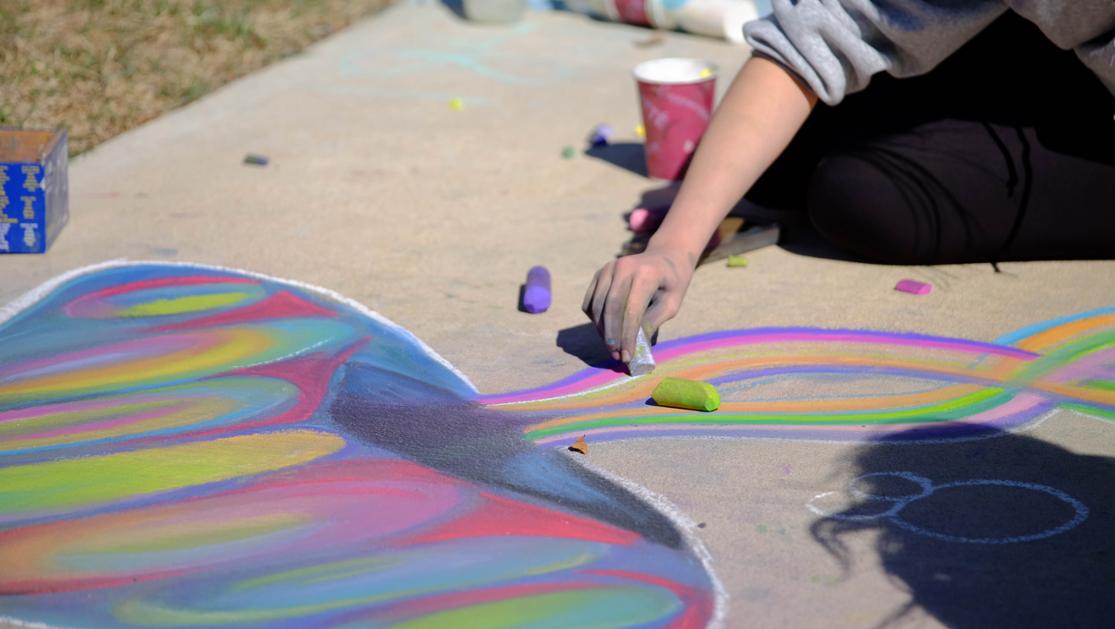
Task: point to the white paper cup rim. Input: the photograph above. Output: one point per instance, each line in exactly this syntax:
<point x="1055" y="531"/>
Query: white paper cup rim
<point x="674" y="71"/>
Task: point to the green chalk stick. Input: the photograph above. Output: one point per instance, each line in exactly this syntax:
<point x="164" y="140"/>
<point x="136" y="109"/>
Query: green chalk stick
<point x="690" y="394"/>
<point x="737" y="261"/>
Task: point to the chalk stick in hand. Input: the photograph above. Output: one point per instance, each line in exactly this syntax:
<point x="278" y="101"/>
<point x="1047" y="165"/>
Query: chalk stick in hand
<point x="689" y="394"/>
<point x="642" y="362"/>
<point x="536" y="293"/>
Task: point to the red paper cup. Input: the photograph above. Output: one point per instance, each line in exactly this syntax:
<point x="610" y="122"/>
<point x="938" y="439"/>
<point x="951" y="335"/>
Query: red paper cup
<point x="631" y="11"/>
<point x="676" y="96"/>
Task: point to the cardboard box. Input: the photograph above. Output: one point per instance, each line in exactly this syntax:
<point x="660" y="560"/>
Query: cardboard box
<point x="34" y="189"/>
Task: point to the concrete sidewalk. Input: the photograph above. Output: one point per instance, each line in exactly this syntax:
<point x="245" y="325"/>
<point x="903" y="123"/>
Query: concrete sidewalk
<point x="379" y="190"/>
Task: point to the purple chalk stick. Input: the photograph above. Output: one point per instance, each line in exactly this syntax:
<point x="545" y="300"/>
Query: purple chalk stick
<point x="536" y="292"/>
<point x="913" y="287"/>
<point x="601" y="135"/>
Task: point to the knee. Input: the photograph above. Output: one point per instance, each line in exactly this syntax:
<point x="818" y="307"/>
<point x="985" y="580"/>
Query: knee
<point x="856" y="205"/>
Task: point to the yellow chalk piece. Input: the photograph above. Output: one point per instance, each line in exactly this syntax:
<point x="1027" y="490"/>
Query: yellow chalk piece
<point x="456" y="103"/>
<point x="705" y="73"/>
<point x="737" y="261"/>
<point x="641" y="131"/>
<point x="580" y="445"/>
<point x="689" y="394"/>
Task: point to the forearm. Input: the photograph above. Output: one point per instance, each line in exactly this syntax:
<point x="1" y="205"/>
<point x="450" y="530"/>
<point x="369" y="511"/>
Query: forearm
<point x="759" y="115"/>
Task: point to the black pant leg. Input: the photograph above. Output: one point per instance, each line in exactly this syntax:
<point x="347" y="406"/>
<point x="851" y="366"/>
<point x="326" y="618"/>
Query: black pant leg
<point x="966" y="163"/>
<point x="962" y="191"/>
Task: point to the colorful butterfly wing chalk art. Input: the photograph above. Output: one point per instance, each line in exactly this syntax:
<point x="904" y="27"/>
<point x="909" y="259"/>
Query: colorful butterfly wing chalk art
<point x="182" y="445"/>
<point x="188" y="446"/>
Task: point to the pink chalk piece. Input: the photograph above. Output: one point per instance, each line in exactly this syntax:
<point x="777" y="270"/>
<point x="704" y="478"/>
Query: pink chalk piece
<point x="536" y="291"/>
<point x="913" y="287"/>
<point x="645" y="220"/>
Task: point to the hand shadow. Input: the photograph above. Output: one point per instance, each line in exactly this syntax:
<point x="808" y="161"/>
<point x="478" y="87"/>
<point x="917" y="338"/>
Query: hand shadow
<point x="583" y="342"/>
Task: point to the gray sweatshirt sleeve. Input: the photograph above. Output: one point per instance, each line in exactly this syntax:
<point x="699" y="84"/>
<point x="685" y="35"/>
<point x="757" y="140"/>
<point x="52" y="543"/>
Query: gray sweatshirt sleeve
<point x="835" y="46"/>
<point x="1087" y="27"/>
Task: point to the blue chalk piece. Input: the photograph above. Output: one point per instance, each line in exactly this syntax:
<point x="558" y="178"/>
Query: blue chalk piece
<point x="601" y="135"/>
<point x="256" y="160"/>
<point x="536" y="292"/>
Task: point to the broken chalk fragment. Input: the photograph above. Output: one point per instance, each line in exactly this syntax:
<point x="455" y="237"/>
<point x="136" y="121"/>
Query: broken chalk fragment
<point x="579" y="445"/>
<point x="913" y="287"/>
<point x="689" y="394"/>
<point x="568" y="152"/>
<point x="643" y="361"/>
<point x="737" y="261"/>
<point x="536" y="291"/>
<point x="255" y="160"/>
<point x="641" y="131"/>
<point x="456" y="103"/>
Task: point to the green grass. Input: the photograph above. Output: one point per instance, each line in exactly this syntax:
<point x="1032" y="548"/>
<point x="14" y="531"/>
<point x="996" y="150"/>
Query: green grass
<point x="101" y="67"/>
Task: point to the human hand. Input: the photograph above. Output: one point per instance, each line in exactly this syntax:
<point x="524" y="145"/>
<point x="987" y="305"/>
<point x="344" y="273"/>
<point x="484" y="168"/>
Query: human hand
<point x="638" y="290"/>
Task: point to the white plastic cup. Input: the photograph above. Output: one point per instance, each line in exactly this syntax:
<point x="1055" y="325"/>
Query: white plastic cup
<point x="494" y="11"/>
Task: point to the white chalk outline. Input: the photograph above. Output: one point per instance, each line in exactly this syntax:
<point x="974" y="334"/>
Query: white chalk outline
<point x="928" y="488"/>
<point x="686" y="525"/>
<point x="30" y="624"/>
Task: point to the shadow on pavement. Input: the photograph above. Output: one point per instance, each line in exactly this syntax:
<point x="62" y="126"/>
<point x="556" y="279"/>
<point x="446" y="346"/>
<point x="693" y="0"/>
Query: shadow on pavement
<point x="1008" y="531"/>
<point x="583" y="342"/>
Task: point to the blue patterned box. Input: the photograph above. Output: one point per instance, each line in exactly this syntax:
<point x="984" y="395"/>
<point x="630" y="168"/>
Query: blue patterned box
<point x="34" y="192"/>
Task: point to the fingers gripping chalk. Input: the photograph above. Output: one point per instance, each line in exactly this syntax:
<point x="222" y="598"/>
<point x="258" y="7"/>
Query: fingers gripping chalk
<point x="536" y="292"/>
<point x="689" y="394"/>
<point x="643" y="361"/>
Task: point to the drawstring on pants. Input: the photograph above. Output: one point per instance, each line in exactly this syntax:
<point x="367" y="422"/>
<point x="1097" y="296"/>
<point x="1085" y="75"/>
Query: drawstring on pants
<point x="1012" y="181"/>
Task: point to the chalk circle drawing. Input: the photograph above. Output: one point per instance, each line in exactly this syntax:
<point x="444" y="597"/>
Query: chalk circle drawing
<point x="184" y="445"/>
<point x="894" y="505"/>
